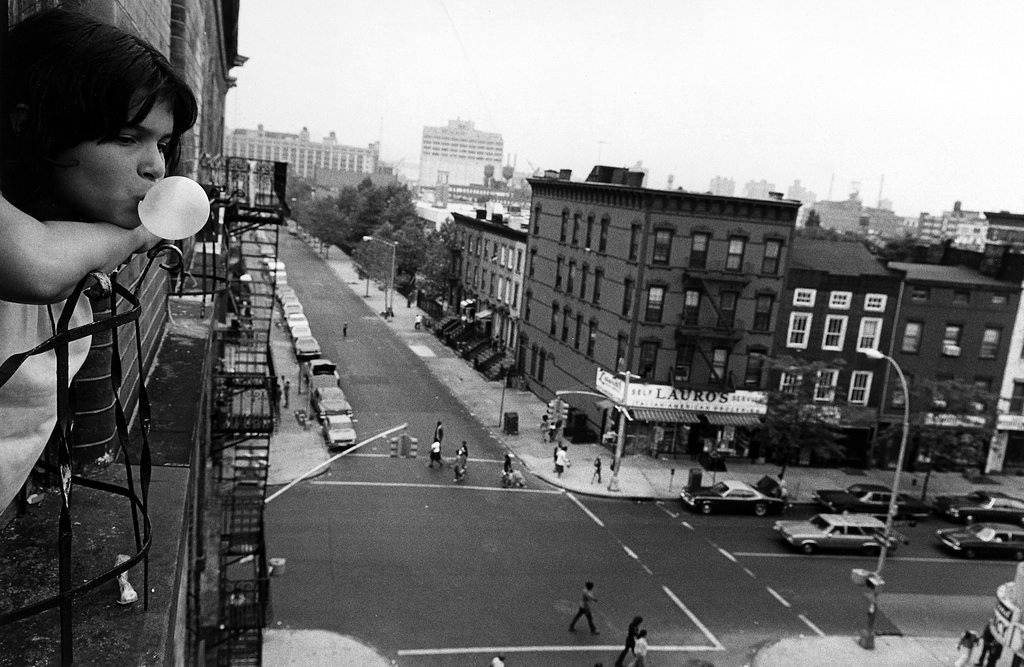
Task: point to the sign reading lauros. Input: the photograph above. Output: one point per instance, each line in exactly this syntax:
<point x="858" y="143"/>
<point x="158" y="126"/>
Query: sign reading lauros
<point x="672" y="398"/>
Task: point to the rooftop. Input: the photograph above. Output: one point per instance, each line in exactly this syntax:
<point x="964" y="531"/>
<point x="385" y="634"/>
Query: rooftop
<point x="939" y="273"/>
<point x="849" y="258"/>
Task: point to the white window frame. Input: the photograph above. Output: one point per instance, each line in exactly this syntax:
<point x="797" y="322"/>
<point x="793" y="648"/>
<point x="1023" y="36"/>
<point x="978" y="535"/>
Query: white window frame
<point x="789" y="382"/>
<point x="501" y="288"/>
<point x="804" y="297"/>
<point x="829" y="319"/>
<point x="860" y="333"/>
<point x="840" y="300"/>
<point x="875" y="303"/>
<point x="860" y="381"/>
<point x="825" y="383"/>
<point x="804" y="331"/>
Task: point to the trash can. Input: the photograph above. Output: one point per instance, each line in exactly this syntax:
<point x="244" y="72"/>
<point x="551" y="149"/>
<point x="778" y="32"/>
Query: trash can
<point x="695" y="479"/>
<point x="511" y="423"/>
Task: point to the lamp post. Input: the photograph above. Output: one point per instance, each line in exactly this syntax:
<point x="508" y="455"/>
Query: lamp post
<point x="389" y="295"/>
<point x="613" y="483"/>
<point x="874" y="580"/>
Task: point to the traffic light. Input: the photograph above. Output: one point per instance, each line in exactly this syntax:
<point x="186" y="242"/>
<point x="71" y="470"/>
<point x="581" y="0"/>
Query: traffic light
<point x="563" y="412"/>
<point x="552" y="410"/>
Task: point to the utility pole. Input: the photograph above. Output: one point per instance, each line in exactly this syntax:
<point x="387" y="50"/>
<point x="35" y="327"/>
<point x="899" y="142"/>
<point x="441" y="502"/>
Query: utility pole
<point x="613" y="483"/>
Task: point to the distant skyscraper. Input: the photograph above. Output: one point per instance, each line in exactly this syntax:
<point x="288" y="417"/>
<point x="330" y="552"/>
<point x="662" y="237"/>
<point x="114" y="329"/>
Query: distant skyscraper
<point x="758" y="189"/>
<point x="302" y="155"/>
<point x="800" y="193"/>
<point x="461" y="151"/>
<point x="722" y="186"/>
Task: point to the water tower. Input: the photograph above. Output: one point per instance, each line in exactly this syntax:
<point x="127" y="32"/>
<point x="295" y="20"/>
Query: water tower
<point x="488" y="175"/>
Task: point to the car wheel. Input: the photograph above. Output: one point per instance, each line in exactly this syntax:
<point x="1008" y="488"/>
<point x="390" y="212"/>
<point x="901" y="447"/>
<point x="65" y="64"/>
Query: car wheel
<point x="969" y="553"/>
<point x="809" y="548"/>
<point x="760" y="509"/>
<point x="1018" y="555"/>
<point x="705" y="508"/>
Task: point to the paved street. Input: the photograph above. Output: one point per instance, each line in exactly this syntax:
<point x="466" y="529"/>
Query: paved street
<point x="427" y="572"/>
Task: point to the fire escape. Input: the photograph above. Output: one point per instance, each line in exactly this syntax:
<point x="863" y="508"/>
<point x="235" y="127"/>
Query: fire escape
<point x="242" y="254"/>
<point x="701" y="330"/>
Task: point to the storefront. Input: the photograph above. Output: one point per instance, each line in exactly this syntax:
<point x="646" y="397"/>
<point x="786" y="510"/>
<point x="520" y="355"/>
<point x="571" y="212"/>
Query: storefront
<point x="1006" y="452"/>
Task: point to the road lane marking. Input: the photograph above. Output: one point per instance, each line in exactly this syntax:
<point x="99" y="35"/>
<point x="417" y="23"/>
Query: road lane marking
<point x="584" y="508"/>
<point x="422" y="351"/>
<point x="647" y="570"/>
<point x="750" y="572"/>
<point x="726" y="554"/>
<point x="778" y="597"/>
<point x="900" y="559"/>
<point x="667" y="511"/>
<point x="431" y="486"/>
<point x="812" y="626"/>
<point x="693" y="619"/>
<point x="686" y="524"/>
<point x="630" y="552"/>
<point x="469" y="650"/>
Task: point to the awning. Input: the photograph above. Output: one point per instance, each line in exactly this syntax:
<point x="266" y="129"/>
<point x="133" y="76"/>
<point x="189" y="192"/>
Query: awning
<point x="484" y="315"/>
<point x="724" y="419"/>
<point x="664" y="415"/>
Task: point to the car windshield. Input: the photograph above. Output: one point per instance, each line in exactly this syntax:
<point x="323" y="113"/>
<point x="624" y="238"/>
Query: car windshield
<point x="719" y="489"/>
<point x="983" y="533"/>
<point x="819" y="522"/>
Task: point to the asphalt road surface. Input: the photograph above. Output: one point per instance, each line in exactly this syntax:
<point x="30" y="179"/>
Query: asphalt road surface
<point x="436" y="573"/>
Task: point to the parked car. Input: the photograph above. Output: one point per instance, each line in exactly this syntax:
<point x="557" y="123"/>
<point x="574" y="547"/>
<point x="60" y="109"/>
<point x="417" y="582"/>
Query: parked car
<point x="322" y="371"/>
<point x="306" y="348"/>
<point x="296" y="320"/>
<point x="338" y="431"/>
<point x="870" y="499"/>
<point x="837" y="532"/>
<point x="301" y="331"/>
<point x="284" y="291"/>
<point x="999" y="540"/>
<point x="291" y="308"/>
<point x="731" y="496"/>
<point x="329" y="401"/>
<point x="981" y="505"/>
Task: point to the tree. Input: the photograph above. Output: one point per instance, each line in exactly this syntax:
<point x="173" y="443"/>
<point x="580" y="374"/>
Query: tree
<point x="437" y="276"/>
<point x="900" y="250"/>
<point x="795" y="422"/>
<point x="813" y="219"/>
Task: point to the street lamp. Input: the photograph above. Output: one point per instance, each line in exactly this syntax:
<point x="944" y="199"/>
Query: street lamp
<point x="874" y="579"/>
<point x="389" y="295"/>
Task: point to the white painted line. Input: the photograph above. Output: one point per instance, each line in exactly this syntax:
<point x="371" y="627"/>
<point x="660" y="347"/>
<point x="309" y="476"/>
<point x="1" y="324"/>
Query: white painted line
<point x="647" y="570"/>
<point x="422" y="351"/>
<point x="667" y="511"/>
<point x="451" y="485"/>
<point x="726" y="554"/>
<point x="778" y="597"/>
<point x="585" y="510"/>
<point x="686" y="524"/>
<point x="854" y="556"/>
<point x="469" y="650"/>
<point x="630" y="552"/>
<point x="693" y="619"/>
<point x="749" y="572"/>
<point x="812" y="626"/>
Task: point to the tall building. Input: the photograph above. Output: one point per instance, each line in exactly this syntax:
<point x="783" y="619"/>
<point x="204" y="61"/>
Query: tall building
<point x="722" y="186"/>
<point x="801" y="194"/>
<point x="758" y="189"/>
<point x="303" y="156"/>
<point x="458" y="154"/>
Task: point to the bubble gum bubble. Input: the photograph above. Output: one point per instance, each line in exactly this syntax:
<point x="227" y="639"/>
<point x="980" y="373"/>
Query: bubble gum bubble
<point x="175" y="208"/>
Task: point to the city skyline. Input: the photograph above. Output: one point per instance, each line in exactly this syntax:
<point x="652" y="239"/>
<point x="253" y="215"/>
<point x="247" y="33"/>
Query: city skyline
<point x="923" y="96"/>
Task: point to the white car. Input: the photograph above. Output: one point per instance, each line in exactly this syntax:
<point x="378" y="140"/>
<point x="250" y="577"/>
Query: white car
<point x="338" y="431"/>
<point x="295" y="320"/>
<point x="292" y="308"/>
<point x="301" y="331"/>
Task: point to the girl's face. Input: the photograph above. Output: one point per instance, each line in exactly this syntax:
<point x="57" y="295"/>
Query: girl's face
<point x="108" y="178"/>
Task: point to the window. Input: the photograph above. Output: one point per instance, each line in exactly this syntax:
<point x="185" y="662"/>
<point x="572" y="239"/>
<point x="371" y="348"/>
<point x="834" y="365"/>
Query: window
<point x="566" y="316"/>
<point x="662" y="246"/>
<point x="727" y="308"/>
<point x="565" y="223"/>
<point x="558" y="273"/>
<point x="763" y="312"/>
<point x="772" y="250"/>
<point x="870" y="333"/>
<point x="699" y="251"/>
<point x="554" y="320"/>
<point x="591" y="337"/>
<point x="920" y="294"/>
<point x="526" y="305"/>
<point x="835" y="332"/>
<point x="961" y="296"/>
<point x="590" y="231"/>
<point x="684" y="361"/>
<point x="515" y="295"/>
<point x="598" y="275"/>
<point x="875" y="303"/>
<point x="1017" y="399"/>
<point x="519" y="260"/>
<point x="803" y="297"/>
<point x="990" y="343"/>
<point x="569" y="281"/>
<point x="576" y="229"/>
<point x="602" y="241"/>
<point x="719" y="363"/>
<point x="912" y="337"/>
<point x="840" y="300"/>
<point x="951" y="340"/>
<point x="655" y="304"/>
<point x="579" y="330"/>
<point x="501" y="289"/>
<point x="627" y="296"/>
<point x="755" y="369"/>
<point x="648" y="359"/>
<point x="799" y="329"/>
<point x="691" y="307"/>
<point x="634" y="242"/>
<point x="620" y="353"/>
<point x="789" y="382"/>
<point x="860" y="387"/>
<point x="734" y="258"/>
<point x="533" y="261"/>
<point x="825" y="385"/>
<point x="490" y="290"/>
<point x="583" y="281"/>
<point x="1000" y="299"/>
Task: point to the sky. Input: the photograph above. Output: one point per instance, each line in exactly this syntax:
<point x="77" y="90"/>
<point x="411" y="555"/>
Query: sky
<point x="923" y="100"/>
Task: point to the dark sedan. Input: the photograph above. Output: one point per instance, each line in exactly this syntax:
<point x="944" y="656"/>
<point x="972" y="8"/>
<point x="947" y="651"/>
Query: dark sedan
<point x="981" y="505"/>
<point x="870" y="499"/>
<point x="733" y="497"/>
<point x="998" y="540"/>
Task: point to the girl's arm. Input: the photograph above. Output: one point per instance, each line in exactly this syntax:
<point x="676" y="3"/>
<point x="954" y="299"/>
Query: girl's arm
<point x="41" y="262"/>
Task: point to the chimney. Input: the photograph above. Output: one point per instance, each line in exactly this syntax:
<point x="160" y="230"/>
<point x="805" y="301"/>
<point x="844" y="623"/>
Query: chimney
<point x="498" y="219"/>
<point x="481" y="214"/>
<point x="564" y="174"/>
<point x="775" y="195"/>
<point x="550" y="173"/>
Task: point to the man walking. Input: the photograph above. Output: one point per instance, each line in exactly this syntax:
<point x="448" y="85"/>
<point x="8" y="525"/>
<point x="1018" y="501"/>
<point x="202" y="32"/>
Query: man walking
<point x="435" y="455"/>
<point x="439" y="432"/>
<point x="287" y="390"/>
<point x="631" y="634"/>
<point x="585" y="610"/>
<point x="596" y="477"/>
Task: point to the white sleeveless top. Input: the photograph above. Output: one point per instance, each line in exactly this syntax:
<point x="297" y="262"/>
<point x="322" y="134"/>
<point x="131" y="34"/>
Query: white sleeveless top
<point x="28" y="401"/>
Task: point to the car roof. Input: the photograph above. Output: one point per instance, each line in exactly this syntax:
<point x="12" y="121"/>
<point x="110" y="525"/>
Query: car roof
<point x="330" y="392"/>
<point x="867" y="486"/>
<point x="345" y="420"/>
<point x="1002" y="527"/>
<point x="736" y="484"/>
<point x="863" y="520"/>
<point x="307" y="341"/>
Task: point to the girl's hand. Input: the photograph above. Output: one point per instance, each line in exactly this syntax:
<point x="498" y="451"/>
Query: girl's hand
<point x="145" y="238"/>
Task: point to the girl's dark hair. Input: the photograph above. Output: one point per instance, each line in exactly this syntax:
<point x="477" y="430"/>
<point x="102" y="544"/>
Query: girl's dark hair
<point x="78" y="79"/>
